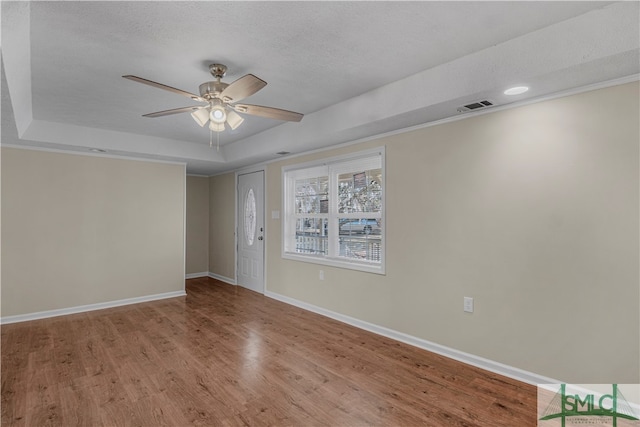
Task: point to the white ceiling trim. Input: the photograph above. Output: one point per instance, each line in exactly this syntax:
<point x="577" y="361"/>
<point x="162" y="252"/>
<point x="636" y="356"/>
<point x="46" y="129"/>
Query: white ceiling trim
<point x="87" y="137"/>
<point x="93" y="154"/>
<point x="570" y="92"/>
<point x="352" y="119"/>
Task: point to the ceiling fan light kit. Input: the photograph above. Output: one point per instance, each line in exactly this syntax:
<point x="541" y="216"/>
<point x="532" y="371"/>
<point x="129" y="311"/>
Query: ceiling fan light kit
<point x="218" y="114"/>
<point x="221" y="98"/>
<point x="216" y="127"/>
<point x="201" y="116"/>
<point x="233" y="119"/>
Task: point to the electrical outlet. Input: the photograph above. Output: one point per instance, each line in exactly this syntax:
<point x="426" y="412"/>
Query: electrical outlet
<point x="468" y="304"/>
<point x="321" y="275"/>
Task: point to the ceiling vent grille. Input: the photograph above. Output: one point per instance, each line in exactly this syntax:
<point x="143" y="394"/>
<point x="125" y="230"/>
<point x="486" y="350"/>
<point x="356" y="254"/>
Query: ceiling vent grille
<point x="475" y="106"/>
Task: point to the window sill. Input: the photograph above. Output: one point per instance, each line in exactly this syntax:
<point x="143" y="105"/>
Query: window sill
<point x="334" y="262"/>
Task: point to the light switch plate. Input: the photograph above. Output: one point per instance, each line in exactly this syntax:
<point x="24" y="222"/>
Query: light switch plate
<point x="468" y="304"/>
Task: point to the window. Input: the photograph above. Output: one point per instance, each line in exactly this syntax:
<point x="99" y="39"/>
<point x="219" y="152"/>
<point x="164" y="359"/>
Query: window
<point x="334" y="212"/>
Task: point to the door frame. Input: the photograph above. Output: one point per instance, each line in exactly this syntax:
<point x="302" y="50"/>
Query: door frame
<point x="256" y="168"/>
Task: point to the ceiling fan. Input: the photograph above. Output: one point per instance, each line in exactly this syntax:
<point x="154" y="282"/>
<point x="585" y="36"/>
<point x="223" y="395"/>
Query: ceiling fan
<point x="222" y="108"/>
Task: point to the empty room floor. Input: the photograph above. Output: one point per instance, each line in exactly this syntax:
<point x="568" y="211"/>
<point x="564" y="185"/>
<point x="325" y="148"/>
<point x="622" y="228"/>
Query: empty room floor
<point x="224" y="355"/>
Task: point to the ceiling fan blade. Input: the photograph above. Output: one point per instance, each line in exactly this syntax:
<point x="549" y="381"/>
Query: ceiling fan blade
<point x="165" y="87"/>
<point x="269" y="112"/>
<point x="243" y="87"/>
<point x="173" y="111"/>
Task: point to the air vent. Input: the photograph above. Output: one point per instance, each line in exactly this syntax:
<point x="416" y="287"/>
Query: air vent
<point x="475" y="106"/>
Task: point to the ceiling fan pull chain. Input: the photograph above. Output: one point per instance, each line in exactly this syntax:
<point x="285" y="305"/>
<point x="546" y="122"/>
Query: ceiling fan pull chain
<point x="210" y="138"/>
<point x="218" y="146"/>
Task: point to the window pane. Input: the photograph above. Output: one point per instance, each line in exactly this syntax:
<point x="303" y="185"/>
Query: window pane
<point x="360" y="238"/>
<point x="311" y="235"/>
<point x="360" y="191"/>
<point x="310" y="193"/>
<point x="366" y="226"/>
<point x="363" y="247"/>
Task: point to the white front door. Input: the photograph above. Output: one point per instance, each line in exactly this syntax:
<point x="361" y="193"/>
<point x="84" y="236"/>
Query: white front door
<point x="250" y="273"/>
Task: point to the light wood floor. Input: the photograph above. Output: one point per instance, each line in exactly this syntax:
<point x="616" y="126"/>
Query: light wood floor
<point x="224" y="355"/>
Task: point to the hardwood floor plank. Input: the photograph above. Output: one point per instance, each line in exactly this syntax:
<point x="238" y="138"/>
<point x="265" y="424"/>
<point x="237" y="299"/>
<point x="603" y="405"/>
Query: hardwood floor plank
<point x="78" y="406"/>
<point x="226" y="356"/>
<point x="43" y="405"/>
<point x="13" y="402"/>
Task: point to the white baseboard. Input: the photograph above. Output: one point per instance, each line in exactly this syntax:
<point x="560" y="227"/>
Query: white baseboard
<point x="91" y="307"/>
<point x="196" y="275"/>
<point x="222" y="278"/>
<point x="460" y="356"/>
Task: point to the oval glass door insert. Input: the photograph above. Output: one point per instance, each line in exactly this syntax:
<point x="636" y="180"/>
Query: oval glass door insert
<point x="250" y="217"/>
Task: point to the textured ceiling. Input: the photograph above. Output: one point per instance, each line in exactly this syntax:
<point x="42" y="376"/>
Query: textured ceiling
<point x="354" y="69"/>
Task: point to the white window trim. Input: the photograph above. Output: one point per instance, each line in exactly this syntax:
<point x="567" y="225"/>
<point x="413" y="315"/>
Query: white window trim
<point x="311" y="169"/>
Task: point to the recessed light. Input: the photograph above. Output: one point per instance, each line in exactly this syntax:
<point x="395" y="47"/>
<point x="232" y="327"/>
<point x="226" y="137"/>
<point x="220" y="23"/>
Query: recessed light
<point x="97" y="150"/>
<point x="516" y="90"/>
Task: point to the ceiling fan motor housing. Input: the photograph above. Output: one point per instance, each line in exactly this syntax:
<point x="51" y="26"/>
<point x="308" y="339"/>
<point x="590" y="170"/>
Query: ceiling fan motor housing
<point x="211" y="90"/>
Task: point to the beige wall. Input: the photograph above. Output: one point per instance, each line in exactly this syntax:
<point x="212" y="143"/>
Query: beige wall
<point x="197" y="225"/>
<point x="80" y="230"/>
<point x="533" y="211"/>
<point x="222" y="199"/>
